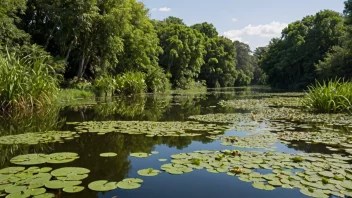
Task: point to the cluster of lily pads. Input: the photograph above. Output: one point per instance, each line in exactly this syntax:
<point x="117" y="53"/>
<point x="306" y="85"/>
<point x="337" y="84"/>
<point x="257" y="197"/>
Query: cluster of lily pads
<point x="39" y="137"/>
<point x="263" y="140"/>
<point x="316" y="175"/>
<point x="37" y="158"/>
<point x="104" y="185"/>
<point x="19" y="182"/>
<point x="262" y="103"/>
<point x="150" y="129"/>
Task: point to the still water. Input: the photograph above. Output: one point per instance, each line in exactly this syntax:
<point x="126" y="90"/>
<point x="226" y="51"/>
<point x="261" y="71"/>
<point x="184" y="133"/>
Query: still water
<point x="175" y="107"/>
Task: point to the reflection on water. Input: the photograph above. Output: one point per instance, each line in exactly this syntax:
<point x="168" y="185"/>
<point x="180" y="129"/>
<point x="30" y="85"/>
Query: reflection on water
<point x="176" y="107"/>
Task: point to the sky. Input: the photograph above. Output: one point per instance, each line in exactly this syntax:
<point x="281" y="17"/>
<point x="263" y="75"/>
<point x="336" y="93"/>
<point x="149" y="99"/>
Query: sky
<point x="254" y="22"/>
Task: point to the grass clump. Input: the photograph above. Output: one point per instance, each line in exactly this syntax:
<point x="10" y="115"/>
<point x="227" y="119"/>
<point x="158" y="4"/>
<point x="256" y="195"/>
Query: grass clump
<point x="334" y="96"/>
<point x="72" y="94"/>
<point x="27" y="79"/>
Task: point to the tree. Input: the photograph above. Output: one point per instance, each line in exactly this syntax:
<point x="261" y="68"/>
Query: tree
<point x="183" y="53"/>
<point x="290" y="61"/>
<point x="207" y="29"/>
<point x="219" y="69"/>
<point x="244" y="63"/>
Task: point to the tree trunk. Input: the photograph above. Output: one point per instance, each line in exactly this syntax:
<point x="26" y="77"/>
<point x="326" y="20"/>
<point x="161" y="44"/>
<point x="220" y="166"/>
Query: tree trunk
<point x="81" y="66"/>
<point x="49" y="38"/>
<point x="68" y="52"/>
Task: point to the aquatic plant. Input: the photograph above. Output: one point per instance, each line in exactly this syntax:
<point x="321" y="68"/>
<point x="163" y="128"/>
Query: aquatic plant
<point x="333" y="96"/>
<point x="27" y="81"/>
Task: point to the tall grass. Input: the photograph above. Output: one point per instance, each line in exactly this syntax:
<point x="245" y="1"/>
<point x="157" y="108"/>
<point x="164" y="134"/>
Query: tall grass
<point x="26" y="80"/>
<point x="130" y="83"/>
<point x="334" y="96"/>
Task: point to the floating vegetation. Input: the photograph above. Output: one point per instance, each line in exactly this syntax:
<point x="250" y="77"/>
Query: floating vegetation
<point x="317" y="175"/>
<point x="108" y="154"/>
<point x="333" y="140"/>
<point x="263" y="140"/>
<point x="130" y="183"/>
<point x="139" y="155"/>
<point x="35" y="159"/>
<point x="263" y="103"/>
<point x="150" y="129"/>
<point x="36" y="138"/>
<point x="148" y="172"/>
<point x="33" y="181"/>
<point x="102" y="185"/>
<point x="224" y="118"/>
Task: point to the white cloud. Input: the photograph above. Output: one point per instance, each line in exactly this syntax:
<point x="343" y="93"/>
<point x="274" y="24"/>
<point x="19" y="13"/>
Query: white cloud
<point x="164" y="9"/>
<point x="234" y="19"/>
<point x="270" y="30"/>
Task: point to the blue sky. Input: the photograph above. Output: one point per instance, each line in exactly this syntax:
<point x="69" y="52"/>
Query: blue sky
<point x="251" y="21"/>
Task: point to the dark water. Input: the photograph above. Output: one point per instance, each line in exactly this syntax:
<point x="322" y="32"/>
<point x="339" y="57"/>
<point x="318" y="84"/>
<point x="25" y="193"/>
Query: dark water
<point x="176" y="107"/>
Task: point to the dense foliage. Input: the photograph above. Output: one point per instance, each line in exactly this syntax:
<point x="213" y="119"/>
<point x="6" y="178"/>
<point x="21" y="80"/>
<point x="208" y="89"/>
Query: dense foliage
<point x="316" y="47"/>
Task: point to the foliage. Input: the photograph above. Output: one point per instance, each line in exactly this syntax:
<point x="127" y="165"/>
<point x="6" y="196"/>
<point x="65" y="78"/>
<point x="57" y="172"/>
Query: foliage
<point x="333" y="96"/>
<point x="290" y="61"/>
<point x="219" y="69"/>
<point x="71" y="94"/>
<point x="27" y="81"/>
<point x="157" y="81"/>
<point x="183" y="53"/>
<point x="130" y="83"/>
<point x="105" y="84"/>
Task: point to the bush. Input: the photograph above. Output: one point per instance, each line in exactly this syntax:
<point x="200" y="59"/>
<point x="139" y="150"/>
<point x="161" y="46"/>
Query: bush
<point x="130" y="83"/>
<point x="105" y="84"/>
<point x="157" y="81"/>
<point x="27" y="80"/>
<point x="333" y="96"/>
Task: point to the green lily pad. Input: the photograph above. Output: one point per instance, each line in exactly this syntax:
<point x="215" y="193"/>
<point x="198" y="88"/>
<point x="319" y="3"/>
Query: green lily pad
<point x="15" y="189"/>
<point x="73" y="189"/>
<point x="108" y="155"/>
<point x="313" y="193"/>
<point x="18" y="195"/>
<point x="154" y="152"/>
<point x="69" y="170"/>
<point x="55" y="184"/>
<point x="140" y="155"/>
<point x="326" y="174"/>
<point x="262" y="186"/>
<point x="148" y="172"/>
<point x="35" y="191"/>
<point x="45" y="195"/>
<point x="11" y="170"/>
<point x="162" y="160"/>
<point x="128" y="185"/>
<point x="135" y="180"/>
<point x="102" y="185"/>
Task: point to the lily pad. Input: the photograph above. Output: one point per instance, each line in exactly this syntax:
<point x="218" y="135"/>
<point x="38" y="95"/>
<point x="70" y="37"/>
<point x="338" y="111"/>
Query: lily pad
<point x="148" y="172"/>
<point x="73" y="189"/>
<point x="140" y="155"/>
<point x="108" y="155"/>
<point x="102" y="185"/>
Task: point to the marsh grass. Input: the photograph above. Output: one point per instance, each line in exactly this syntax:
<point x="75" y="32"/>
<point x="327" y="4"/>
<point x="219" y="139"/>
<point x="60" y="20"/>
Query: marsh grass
<point x="334" y="96"/>
<point x="26" y="81"/>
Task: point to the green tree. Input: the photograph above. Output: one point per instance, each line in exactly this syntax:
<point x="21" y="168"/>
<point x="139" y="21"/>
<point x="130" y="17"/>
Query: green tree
<point x="207" y="29"/>
<point x="183" y="53"/>
<point x="244" y="63"/>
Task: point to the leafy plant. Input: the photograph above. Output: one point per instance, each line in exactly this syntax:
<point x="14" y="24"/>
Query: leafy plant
<point x="333" y="96"/>
<point x="131" y="82"/>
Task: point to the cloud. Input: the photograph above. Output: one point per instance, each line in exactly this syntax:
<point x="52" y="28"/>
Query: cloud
<point x="270" y="30"/>
<point x="164" y="9"/>
<point x="234" y="19"/>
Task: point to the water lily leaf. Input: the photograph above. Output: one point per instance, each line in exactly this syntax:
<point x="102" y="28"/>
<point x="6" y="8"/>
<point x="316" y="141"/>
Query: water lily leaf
<point x="69" y="170"/>
<point x="140" y="155"/>
<point x="128" y="185"/>
<point x="155" y="152"/>
<point x="162" y="160"/>
<point x="11" y="170"/>
<point x="275" y="183"/>
<point x="15" y="189"/>
<point x="148" y="172"/>
<point x="347" y="184"/>
<point x="35" y="191"/>
<point x="326" y="174"/>
<point x="45" y="195"/>
<point x="102" y="185"/>
<point x="73" y="189"/>
<point x="135" y="180"/>
<point x="108" y="155"/>
<point x="55" y="184"/>
<point x="18" y="195"/>
<point x="313" y="193"/>
<point x="262" y="186"/>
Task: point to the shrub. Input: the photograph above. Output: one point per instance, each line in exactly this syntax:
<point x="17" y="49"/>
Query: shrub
<point x="157" y="81"/>
<point x="333" y="96"/>
<point x="27" y="80"/>
<point x="130" y="83"/>
<point x="105" y="84"/>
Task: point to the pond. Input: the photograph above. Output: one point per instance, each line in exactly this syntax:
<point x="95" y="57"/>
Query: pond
<point x="276" y="156"/>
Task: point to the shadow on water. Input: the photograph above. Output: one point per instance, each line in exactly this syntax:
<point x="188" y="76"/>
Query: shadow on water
<point x="150" y="107"/>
